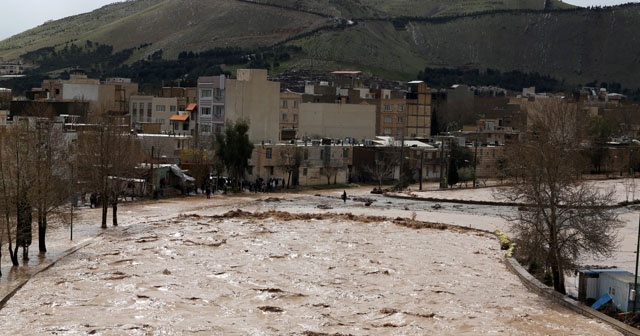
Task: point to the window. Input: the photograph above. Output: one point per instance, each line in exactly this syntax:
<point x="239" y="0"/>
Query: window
<point x="219" y="93"/>
<point x="205" y="128"/>
<point x="400" y="119"/>
<point x="400" y="107"/>
<point x="205" y="110"/>
<point x="295" y="117"/>
<point x="218" y="111"/>
<point x="160" y="108"/>
<point x="284" y="104"/>
<point x="306" y="154"/>
<point x="345" y="153"/>
<point x="387" y="131"/>
<point x="269" y="153"/>
<point x="295" y="104"/>
<point x="172" y="108"/>
<point x="400" y="130"/>
<point x="387" y="107"/>
<point x="135" y="108"/>
<point x="304" y="171"/>
<point x="388" y="119"/>
<point x="149" y="108"/>
<point x="206" y="93"/>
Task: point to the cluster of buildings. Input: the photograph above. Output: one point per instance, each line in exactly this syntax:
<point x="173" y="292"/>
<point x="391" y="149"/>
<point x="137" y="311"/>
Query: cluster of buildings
<point x="332" y="132"/>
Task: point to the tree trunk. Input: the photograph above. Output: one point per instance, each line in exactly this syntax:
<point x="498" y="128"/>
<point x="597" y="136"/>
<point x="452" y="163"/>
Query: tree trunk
<point x="14" y="256"/>
<point x="105" y="207"/>
<point x="42" y="231"/>
<point x="114" y="210"/>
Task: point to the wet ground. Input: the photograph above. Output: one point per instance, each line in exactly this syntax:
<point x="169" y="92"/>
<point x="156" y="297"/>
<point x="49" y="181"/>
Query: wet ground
<point x="177" y="267"/>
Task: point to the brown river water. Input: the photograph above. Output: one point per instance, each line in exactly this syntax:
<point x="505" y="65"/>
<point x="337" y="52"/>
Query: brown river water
<point x="175" y="267"/>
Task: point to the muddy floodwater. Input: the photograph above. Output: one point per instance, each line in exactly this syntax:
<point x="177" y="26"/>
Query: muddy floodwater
<point x="177" y="267"/>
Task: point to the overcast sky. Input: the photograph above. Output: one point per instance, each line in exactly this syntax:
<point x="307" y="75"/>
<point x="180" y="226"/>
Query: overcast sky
<point x="20" y="15"/>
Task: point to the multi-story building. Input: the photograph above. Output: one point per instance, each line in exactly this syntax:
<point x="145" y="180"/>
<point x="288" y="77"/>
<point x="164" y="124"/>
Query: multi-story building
<point x="153" y="114"/>
<point x="111" y="96"/>
<point x="337" y="121"/>
<point x="289" y="115"/>
<point x="418" y="117"/>
<point x="211" y="114"/>
<point x="347" y="89"/>
<point x="11" y="68"/>
<point x="253" y="98"/>
<point x="391" y="116"/>
<point x="185" y="95"/>
<point x="299" y="164"/>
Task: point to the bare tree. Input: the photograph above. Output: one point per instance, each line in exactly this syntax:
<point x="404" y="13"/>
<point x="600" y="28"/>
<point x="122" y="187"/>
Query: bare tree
<point x="291" y="159"/>
<point x="382" y="167"/>
<point x="198" y="162"/>
<point x="329" y="172"/>
<point x="8" y="144"/>
<point x="17" y="184"/>
<point x="562" y="217"/>
<point x="107" y="154"/>
<point x="51" y="188"/>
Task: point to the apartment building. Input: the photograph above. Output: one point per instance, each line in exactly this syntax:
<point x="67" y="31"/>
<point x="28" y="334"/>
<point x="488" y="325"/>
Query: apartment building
<point x="11" y="68"/>
<point x="211" y="115"/>
<point x="255" y="99"/>
<point x="391" y="117"/>
<point x="111" y="96"/>
<point x="185" y="95"/>
<point x="301" y="163"/>
<point x="418" y="116"/>
<point x="289" y="115"/>
<point x="151" y="114"/>
<point x="337" y="121"/>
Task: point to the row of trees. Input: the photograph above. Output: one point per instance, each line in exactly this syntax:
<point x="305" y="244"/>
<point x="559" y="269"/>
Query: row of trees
<point x="42" y="168"/>
<point x="33" y="180"/>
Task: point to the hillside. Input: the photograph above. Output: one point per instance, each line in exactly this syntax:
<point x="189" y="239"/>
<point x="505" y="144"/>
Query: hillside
<point x="575" y="46"/>
<point x="396" y="39"/>
<point x="170" y="25"/>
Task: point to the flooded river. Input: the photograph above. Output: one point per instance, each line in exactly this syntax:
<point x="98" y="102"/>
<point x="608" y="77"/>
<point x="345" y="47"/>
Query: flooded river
<point x="176" y="267"/>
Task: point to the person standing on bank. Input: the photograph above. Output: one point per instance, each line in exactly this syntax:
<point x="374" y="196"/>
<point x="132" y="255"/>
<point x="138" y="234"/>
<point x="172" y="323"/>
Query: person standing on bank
<point x="344" y="196"/>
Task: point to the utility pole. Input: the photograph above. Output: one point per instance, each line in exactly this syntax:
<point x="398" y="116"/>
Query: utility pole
<point x="633" y="293"/>
<point x="421" y="164"/>
<point x="401" y="159"/>
<point x="443" y="170"/>
<point x="475" y="159"/>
